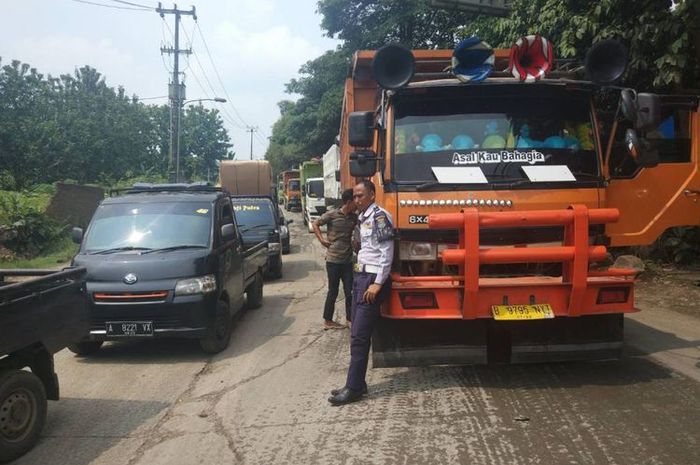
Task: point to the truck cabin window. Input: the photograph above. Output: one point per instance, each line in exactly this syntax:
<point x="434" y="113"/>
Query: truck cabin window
<point x="315" y="189"/>
<point x="254" y="214"/>
<point x="294" y="185"/>
<point x="498" y="134"/>
<point x="149" y="226"/>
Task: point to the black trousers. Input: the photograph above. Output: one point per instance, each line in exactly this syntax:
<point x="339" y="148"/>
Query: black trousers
<point x="364" y="317"/>
<point x="336" y="273"/>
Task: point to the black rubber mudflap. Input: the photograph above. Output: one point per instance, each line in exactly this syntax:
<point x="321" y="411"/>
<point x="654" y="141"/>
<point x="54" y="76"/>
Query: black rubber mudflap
<point x="398" y="343"/>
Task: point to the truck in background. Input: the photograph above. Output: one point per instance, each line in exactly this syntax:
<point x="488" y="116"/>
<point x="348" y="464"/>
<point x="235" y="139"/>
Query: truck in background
<point x="479" y="178"/>
<point x="291" y="189"/>
<point x="312" y="203"/>
<point x="331" y="177"/>
<point x="247" y="177"/>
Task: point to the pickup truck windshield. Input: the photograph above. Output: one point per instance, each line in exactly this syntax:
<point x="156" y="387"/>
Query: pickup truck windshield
<point x="144" y="226"/>
<point x="294" y="185"/>
<point x="254" y="214"/>
<point x="315" y="189"/>
<point x="497" y="137"/>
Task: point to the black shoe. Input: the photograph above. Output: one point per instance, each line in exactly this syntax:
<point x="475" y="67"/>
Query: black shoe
<point x="345" y="396"/>
<point x="335" y="392"/>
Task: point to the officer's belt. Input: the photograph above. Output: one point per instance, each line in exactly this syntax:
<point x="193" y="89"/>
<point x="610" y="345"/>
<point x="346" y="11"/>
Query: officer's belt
<point x="366" y="268"/>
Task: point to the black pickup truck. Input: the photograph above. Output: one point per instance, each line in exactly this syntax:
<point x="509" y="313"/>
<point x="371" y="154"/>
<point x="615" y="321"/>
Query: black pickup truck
<point x="39" y="316"/>
<point x="167" y="260"/>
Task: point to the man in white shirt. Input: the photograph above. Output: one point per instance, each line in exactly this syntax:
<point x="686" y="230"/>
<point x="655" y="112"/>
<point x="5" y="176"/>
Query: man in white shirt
<point x="371" y="285"/>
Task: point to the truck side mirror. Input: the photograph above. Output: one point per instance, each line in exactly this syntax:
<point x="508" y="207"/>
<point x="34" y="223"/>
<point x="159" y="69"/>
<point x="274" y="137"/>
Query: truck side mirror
<point x="77" y="235"/>
<point x="640" y="150"/>
<point x="290" y="221"/>
<point x="361" y="128"/>
<point x="228" y="232"/>
<point x="363" y="164"/>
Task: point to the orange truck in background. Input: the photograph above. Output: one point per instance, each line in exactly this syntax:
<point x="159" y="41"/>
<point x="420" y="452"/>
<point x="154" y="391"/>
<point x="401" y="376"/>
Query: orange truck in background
<point x="505" y="196"/>
<point x="291" y="189"/>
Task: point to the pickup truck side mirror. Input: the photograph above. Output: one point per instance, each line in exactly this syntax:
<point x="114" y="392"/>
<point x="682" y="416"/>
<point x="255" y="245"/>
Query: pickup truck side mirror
<point x="640" y="150"/>
<point x="290" y="221"/>
<point x="77" y="235"/>
<point x="363" y="164"/>
<point x="228" y="232"/>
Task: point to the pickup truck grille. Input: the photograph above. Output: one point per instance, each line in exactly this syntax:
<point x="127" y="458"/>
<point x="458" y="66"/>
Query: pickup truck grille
<point x="130" y="297"/>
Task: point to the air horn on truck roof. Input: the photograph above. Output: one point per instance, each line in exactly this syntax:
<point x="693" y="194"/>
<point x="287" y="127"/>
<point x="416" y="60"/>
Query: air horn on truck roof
<point x="531" y="59"/>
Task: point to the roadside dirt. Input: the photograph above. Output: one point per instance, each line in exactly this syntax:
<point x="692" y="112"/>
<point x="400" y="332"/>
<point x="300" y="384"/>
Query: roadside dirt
<point x="669" y="288"/>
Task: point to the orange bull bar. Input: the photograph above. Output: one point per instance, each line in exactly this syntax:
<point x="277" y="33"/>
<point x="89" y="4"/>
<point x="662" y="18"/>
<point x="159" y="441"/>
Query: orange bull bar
<point x="468" y="296"/>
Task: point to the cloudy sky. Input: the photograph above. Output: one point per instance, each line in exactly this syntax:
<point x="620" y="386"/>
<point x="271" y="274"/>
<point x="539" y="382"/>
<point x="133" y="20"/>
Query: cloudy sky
<point x="256" y="46"/>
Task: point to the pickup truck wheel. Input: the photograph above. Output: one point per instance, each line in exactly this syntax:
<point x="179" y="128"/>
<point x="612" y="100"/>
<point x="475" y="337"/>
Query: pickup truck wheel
<point x="22" y="412"/>
<point x="85" y="348"/>
<point x="254" y="293"/>
<point x="219" y="331"/>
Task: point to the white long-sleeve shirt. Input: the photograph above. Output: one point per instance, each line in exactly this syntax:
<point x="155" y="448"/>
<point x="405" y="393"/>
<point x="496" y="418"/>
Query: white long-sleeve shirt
<point x="376" y="240"/>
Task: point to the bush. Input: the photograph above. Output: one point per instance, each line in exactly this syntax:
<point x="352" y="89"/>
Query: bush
<point x="25" y="229"/>
<point x="679" y="245"/>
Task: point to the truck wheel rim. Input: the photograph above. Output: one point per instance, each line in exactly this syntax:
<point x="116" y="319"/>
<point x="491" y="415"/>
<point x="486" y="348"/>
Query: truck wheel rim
<point x="17" y="414"/>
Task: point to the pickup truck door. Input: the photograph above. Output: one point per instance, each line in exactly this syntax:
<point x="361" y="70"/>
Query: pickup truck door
<point x="231" y="263"/>
<point x="652" y="200"/>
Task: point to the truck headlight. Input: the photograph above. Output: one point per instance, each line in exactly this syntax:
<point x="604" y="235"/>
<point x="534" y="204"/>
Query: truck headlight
<point x="274" y="246"/>
<point x="418" y="251"/>
<point x="191" y="286"/>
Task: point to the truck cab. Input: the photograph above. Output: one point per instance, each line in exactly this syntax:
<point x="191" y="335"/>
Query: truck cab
<point x="504" y="196"/>
<point x="167" y="261"/>
<point x="314" y="202"/>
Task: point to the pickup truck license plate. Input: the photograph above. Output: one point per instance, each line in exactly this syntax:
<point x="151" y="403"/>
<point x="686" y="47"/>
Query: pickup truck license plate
<point x="129" y="328"/>
<point x="522" y="312"/>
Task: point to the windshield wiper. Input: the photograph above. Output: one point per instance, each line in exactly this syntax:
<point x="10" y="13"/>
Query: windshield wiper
<point x="177" y="247"/>
<point x="118" y="249"/>
<point x="256" y="227"/>
<point x="429" y="185"/>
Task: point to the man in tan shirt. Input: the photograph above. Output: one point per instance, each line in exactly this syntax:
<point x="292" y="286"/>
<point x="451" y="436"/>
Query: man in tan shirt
<point x="338" y="243"/>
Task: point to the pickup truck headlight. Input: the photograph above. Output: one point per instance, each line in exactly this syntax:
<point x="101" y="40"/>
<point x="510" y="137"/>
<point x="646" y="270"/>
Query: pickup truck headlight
<point x="191" y="286"/>
<point x="274" y="246"/>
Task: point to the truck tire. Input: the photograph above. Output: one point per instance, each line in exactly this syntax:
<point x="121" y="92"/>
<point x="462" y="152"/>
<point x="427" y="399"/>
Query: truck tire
<point x="22" y="412"/>
<point x="219" y="330"/>
<point x="85" y="348"/>
<point x="254" y="293"/>
<point x="275" y="271"/>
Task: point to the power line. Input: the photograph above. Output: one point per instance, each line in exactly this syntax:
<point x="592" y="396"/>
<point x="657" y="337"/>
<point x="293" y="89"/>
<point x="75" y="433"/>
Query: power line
<point x="134" y="4"/>
<point x="216" y="71"/>
<point x="110" y="6"/>
<point x="211" y="87"/>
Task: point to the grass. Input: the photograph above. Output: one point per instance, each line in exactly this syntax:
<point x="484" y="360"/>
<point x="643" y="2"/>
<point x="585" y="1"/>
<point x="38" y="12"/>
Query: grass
<point x="56" y="256"/>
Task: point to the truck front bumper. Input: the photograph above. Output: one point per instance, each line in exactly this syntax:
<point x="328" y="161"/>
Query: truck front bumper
<point x="171" y="316"/>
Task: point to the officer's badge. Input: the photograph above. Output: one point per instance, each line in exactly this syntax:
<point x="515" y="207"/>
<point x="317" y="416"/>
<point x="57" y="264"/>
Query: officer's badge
<point x="383" y="227"/>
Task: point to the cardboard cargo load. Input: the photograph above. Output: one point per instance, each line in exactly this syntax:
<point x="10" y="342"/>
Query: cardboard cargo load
<point x="246" y="177"/>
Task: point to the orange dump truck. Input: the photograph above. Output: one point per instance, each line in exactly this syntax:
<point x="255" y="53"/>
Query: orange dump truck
<point x="291" y="189"/>
<point x="505" y="196"/>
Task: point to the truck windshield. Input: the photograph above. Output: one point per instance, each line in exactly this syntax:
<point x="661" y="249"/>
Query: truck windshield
<point x="146" y="226"/>
<point x="487" y="137"/>
<point x="294" y="185"/>
<point x="254" y="214"/>
<point x="315" y="189"/>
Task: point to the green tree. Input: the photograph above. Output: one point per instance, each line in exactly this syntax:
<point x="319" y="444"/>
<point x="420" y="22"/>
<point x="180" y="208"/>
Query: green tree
<point x="662" y="41"/>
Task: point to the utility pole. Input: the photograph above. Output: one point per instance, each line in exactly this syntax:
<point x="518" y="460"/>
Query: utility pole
<point x="251" y="130"/>
<point x="175" y="92"/>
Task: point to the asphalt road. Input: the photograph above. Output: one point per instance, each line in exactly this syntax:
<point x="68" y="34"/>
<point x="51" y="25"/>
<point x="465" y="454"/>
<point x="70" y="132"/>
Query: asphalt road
<point x="263" y="400"/>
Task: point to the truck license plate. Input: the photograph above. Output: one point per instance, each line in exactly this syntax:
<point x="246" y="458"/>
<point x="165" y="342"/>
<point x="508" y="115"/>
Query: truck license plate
<point x="522" y="312"/>
<point x="129" y="328"/>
